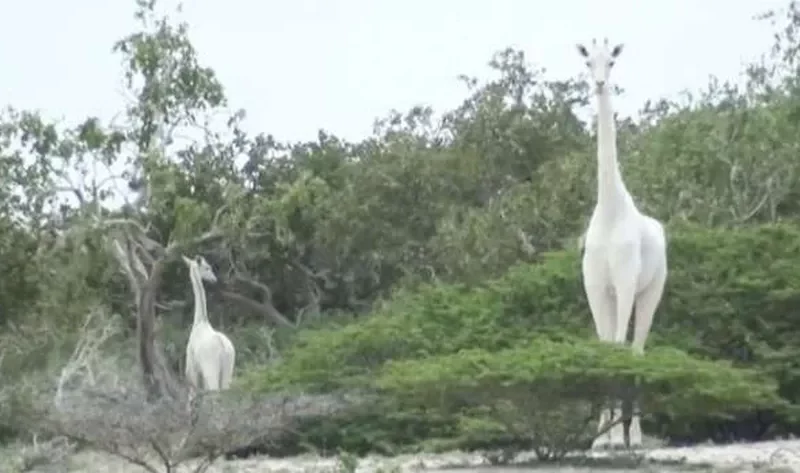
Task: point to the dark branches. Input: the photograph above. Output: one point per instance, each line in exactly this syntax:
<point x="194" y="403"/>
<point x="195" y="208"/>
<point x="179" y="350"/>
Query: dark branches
<point x="263" y="306"/>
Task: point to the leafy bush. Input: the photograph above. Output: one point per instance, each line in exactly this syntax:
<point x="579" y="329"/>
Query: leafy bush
<point x="547" y="395"/>
<point x="433" y="320"/>
<point x="544" y="395"/>
<point x="730" y="296"/>
<point x="670" y="381"/>
<point x="735" y="296"/>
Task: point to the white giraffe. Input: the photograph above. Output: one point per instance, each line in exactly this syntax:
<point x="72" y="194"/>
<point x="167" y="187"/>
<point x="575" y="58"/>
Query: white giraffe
<point x="625" y="252"/>
<point x="210" y="355"/>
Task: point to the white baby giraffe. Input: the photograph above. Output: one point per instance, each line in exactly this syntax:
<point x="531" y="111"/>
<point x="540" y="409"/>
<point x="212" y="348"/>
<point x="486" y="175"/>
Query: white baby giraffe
<point x="625" y="252"/>
<point x="210" y="355"/>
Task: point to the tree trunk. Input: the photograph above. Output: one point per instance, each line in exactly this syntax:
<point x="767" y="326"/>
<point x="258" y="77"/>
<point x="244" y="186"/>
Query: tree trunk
<point x="159" y="380"/>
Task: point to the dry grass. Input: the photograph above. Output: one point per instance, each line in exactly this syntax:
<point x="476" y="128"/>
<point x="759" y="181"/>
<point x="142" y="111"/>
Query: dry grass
<point x="97" y="400"/>
<point x="160" y="437"/>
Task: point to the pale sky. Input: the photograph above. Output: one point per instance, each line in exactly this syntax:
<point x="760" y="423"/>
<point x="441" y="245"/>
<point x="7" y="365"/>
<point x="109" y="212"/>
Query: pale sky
<point x="300" y="65"/>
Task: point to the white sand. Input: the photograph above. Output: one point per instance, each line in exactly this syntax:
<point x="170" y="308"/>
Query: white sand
<point x="781" y="456"/>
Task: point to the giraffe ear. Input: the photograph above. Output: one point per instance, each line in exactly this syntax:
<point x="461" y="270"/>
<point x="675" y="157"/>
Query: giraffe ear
<point x="582" y="50"/>
<point x="186" y="260"/>
<point x="616" y="51"/>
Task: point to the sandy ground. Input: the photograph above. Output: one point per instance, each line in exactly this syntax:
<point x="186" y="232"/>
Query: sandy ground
<point x="774" y="457"/>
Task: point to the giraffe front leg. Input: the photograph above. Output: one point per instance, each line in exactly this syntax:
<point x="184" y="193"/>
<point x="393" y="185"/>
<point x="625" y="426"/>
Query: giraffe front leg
<point x="603" y="308"/>
<point x="644" y="312"/>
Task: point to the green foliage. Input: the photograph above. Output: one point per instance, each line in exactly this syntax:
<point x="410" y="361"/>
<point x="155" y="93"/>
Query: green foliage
<point x="433" y="244"/>
<point x="671" y="382"/>
<point x="438" y="319"/>
<point x="546" y="395"/>
<point x="726" y="291"/>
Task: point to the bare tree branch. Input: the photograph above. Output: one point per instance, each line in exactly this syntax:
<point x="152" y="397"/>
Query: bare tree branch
<point x="264" y="308"/>
<point x="168" y="434"/>
<point x="315" y="293"/>
<point x="138" y="272"/>
<point x="756" y="208"/>
<point x="85" y="357"/>
<point x="525" y="242"/>
<point x="130" y="246"/>
<point x="253" y="284"/>
<point x="124" y="225"/>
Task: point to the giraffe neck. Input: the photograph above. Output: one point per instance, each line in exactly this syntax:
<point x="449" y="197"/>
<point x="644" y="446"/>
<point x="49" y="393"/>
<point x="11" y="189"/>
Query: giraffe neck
<point x="200" y="308"/>
<point x="611" y="191"/>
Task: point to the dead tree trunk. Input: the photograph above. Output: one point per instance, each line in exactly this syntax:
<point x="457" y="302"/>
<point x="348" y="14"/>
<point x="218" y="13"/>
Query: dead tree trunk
<point x="158" y="380"/>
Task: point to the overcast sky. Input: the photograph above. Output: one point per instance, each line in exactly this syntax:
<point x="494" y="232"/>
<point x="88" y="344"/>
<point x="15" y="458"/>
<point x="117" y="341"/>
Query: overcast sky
<point x="300" y="65"/>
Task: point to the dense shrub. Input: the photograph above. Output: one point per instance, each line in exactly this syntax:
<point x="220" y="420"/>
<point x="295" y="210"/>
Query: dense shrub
<point x="670" y="381"/>
<point x="731" y="296"/>
<point x="736" y="296"/>
<point x="438" y="319"/>
<point x="548" y="394"/>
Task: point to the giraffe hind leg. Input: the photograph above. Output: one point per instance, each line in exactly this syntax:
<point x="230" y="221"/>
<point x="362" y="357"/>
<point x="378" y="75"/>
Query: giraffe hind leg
<point x="644" y="312"/>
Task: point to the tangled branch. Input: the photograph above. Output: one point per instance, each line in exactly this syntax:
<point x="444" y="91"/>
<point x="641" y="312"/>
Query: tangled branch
<point x="94" y="405"/>
<point x="143" y="261"/>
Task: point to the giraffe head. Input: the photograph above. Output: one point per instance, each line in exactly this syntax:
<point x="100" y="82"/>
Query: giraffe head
<point x="203" y="268"/>
<point x="600" y="59"/>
